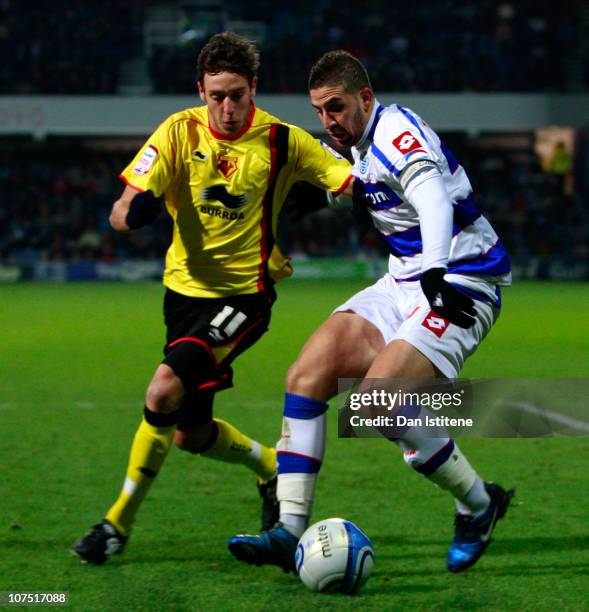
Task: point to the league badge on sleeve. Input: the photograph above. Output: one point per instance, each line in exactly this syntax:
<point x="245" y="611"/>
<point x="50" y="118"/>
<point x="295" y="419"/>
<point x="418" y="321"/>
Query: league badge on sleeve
<point x="406" y="142"/>
<point x="331" y="150"/>
<point x="146" y="161"/>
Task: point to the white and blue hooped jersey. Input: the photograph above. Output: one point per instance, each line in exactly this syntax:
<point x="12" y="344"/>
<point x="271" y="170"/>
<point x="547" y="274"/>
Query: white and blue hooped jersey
<point x="395" y="138"/>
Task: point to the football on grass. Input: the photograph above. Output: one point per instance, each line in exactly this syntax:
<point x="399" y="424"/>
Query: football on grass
<point x="334" y="555"/>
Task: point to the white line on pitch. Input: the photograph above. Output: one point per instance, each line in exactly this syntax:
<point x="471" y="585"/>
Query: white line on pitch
<point x="552" y="416"/>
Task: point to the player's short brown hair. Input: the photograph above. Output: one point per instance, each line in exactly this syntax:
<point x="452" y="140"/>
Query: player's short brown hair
<point x="339" y="68"/>
<point x="228" y="52"/>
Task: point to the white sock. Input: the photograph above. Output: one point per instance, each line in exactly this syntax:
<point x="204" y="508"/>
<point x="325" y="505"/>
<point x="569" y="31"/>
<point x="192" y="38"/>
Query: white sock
<point x="295" y="523"/>
<point x="476" y="501"/>
<point x="300" y="454"/>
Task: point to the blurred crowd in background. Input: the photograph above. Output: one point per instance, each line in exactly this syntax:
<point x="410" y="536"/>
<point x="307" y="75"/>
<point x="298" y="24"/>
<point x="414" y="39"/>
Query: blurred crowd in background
<point x="432" y="45"/>
<point x="62" y="47"/>
<point x="427" y="46"/>
<point x="56" y="207"/>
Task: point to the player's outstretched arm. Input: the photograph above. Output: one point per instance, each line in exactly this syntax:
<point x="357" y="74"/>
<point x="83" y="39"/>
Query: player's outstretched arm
<point x="302" y="200"/>
<point x="134" y="209"/>
<point x="436" y="214"/>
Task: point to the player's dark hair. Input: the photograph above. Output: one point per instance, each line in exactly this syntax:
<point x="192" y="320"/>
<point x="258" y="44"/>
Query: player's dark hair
<point x="339" y="68"/>
<point x="228" y="52"/>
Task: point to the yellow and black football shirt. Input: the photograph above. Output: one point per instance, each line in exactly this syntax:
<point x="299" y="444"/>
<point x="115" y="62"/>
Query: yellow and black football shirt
<point x="224" y="195"/>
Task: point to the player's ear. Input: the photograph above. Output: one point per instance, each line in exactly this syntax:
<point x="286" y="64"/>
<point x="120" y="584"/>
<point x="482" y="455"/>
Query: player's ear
<point x="201" y="91"/>
<point x="366" y="95"/>
<point x="254" y="86"/>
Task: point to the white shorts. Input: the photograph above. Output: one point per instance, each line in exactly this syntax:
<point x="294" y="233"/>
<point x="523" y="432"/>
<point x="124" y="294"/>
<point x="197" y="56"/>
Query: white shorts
<point x="400" y="311"/>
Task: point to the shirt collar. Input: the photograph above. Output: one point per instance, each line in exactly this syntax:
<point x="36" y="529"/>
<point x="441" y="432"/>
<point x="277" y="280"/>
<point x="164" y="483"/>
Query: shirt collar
<point x="244" y="129"/>
<point x="368" y="135"/>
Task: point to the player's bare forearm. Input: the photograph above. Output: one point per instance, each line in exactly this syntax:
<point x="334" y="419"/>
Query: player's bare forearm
<point x="120" y="210"/>
<point x="118" y="216"/>
<point x="134" y="209"/>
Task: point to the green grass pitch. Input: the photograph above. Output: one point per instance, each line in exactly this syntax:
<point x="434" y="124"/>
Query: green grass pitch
<point x="74" y="364"/>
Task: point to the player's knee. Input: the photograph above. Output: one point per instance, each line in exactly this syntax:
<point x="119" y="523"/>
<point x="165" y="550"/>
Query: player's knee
<point x="165" y="392"/>
<point x="196" y="440"/>
<point x="301" y="378"/>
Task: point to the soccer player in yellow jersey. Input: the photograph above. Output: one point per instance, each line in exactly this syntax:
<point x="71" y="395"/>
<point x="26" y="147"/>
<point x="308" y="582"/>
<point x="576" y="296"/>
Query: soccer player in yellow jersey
<point x="225" y="169"/>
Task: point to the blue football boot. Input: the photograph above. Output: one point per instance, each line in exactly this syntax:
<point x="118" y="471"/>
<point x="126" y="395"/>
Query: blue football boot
<point x="276" y="546"/>
<point x="473" y="534"/>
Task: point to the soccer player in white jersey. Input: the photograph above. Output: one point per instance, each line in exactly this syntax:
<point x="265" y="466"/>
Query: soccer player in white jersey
<point x="439" y="299"/>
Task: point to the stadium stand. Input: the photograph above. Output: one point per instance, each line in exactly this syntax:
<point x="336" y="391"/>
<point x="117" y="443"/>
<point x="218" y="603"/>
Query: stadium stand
<point x="64" y="47"/>
<point x="58" y="210"/>
<point x="428" y="46"/>
<point x="57" y="195"/>
<point x="57" y="206"/>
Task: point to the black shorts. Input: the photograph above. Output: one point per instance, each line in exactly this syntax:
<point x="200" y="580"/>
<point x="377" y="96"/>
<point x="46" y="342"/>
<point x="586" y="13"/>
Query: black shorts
<point x="222" y="327"/>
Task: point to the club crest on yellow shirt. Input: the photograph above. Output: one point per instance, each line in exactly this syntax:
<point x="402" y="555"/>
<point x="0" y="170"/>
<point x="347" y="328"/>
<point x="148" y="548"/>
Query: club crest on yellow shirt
<point x="226" y="164"/>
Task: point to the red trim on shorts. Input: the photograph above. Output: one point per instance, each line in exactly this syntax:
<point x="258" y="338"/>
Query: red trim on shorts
<point x="197" y="341"/>
<point x="208" y="385"/>
<point x="221" y="383"/>
<point x="126" y="181"/>
<point x="244" y="129"/>
<point x="245" y="331"/>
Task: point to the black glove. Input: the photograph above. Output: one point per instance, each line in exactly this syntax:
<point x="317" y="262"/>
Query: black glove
<point x="358" y="194"/>
<point x="360" y="209"/>
<point x="303" y="199"/>
<point x="144" y="209"/>
<point x="447" y="301"/>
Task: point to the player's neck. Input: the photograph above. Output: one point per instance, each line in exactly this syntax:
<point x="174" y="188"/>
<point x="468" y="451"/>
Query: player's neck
<point x="368" y="134"/>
